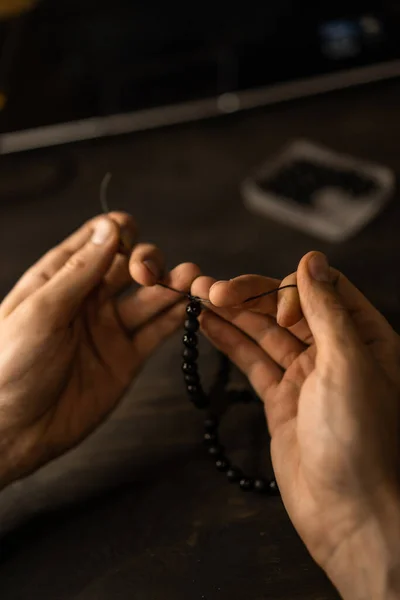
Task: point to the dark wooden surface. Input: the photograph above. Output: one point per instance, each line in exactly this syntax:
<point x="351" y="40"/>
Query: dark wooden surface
<point x="137" y="511"/>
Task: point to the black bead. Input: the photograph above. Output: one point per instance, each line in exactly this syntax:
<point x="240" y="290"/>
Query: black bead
<point x="211" y="423"/>
<point x="190" y="354"/>
<point x="261" y="486"/>
<point x="273" y="488"/>
<point x="222" y="464"/>
<point x="194" y="390"/>
<point x="190" y="340"/>
<point x="210" y="438"/>
<point x="234" y="474"/>
<point x="192" y="324"/>
<point x="192" y="379"/>
<point x="193" y="309"/>
<point x="215" y="450"/>
<point x="246" y="484"/>
<point x="189" y="367"/>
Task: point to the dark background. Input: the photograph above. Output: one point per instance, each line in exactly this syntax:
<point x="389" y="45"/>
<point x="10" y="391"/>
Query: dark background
<point x="78" y="59"/>
<point x="137" y="511"/>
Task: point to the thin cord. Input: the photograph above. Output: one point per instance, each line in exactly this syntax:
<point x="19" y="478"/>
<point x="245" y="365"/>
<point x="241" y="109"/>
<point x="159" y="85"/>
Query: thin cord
<point x="104" y="205"/>
<point x="283" y="287"/>
<point x="185" y="294"/>
<point x="192" y="298"/>
<point x="104" y="193"/>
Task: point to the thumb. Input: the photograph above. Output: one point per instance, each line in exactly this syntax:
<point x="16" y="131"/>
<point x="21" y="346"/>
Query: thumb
<point x="327" y="318"/>
<point x="84" y="270"/>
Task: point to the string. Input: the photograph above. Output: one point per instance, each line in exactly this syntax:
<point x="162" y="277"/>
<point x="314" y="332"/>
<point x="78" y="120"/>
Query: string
<point x="104" y="193"/>
<point x="104" y="205"/>
<point x="198" y="299"/>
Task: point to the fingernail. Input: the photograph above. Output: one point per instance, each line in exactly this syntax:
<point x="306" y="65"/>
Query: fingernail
<point x="318" y="267"/>
<point x="153" y="267"/>
<point x="102" y="232"/>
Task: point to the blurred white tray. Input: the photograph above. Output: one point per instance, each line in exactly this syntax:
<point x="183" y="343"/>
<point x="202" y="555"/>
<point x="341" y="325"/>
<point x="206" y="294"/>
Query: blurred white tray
<point x="334" y="214"/>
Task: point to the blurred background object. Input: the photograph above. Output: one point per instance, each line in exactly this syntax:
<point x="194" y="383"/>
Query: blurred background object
<point x="87" y="69"/>
<point x="325" y="194"/>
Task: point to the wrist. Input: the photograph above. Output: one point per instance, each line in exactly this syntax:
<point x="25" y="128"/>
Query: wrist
<point x="367" y="564"/>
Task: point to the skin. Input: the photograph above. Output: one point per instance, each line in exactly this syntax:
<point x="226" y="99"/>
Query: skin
<point x="323" y="360"/>
<point x="326" y="364"/>
<point x="70" y="345"/>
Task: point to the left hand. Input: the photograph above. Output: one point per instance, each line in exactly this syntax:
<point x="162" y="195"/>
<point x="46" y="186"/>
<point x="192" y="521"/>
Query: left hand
<point x="70" y="345"/>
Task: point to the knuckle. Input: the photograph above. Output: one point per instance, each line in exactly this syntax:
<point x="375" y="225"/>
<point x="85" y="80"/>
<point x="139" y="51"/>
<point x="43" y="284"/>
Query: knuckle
<point x="289" y="358"/>
<point x="76" y="262"/>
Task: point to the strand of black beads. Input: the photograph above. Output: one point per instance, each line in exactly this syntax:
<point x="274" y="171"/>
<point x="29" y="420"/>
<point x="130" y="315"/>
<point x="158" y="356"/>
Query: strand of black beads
<point x="217" y="452"/>
<point x="211" y="424"/>
<point x="190" y="355"/>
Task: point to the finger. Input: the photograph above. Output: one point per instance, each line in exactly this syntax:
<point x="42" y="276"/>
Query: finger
<point x="45" y="268"/>
<point x="154" y="332"/>
<point x="289" y="307"/>
<point x="147" y="303"/>
<point x="146" y="264"/>
<point x="326" y="315"/>
<point x="201" y="289"/>
<point x="371" y="325"/>
<point x="276" y="341"/>
<point x="118" y="278"/>
<point x="263" y="373"/>
<point x="237" y="291"/>
<point x="70" y="286"/>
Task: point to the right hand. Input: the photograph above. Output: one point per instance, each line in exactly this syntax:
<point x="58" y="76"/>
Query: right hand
<point x="330" y="381"/>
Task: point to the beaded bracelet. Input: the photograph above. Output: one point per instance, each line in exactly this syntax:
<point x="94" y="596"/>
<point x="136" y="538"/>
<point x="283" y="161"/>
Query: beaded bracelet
<point x="192" y="379"/>
<point x="201" y="401"/>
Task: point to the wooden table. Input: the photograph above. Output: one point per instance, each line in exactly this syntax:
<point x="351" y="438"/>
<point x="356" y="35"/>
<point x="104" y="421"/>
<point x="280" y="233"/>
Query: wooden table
<point x="137" y="511"/>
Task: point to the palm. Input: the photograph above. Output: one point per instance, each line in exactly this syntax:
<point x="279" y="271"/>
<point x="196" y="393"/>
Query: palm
<point x="77" y="368"/>
<point x="311" y="458"/>
<point x="76" y="373"/>
<point x="95" y="365"/>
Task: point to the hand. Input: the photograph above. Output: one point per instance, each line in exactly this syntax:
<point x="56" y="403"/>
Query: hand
<point x="330" y="382"/>
<point x="70" y="344"/>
